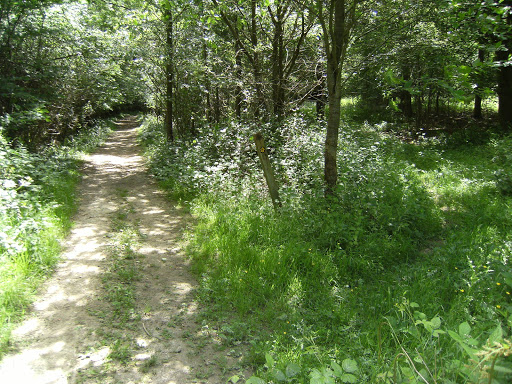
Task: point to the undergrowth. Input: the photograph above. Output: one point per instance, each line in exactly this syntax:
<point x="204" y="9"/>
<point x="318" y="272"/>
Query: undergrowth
<point x="402" y="277"/>
<point x="37" y="199"/>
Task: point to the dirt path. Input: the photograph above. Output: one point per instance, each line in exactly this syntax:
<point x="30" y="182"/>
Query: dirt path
<point x="71" y="335"/>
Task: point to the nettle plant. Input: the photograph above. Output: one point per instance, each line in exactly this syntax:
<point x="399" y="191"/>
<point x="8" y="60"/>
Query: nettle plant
<point x="429" y="352"/>
<point x="347" y="372"/>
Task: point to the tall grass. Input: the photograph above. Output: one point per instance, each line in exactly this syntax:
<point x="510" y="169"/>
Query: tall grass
<point x="37" y="199"/>
<point x="390" y="273"/>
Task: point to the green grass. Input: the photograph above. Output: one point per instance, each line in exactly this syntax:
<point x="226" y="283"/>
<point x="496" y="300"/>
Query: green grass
<point x="37" y="200"/>
<point x="122" y="272"/>
<point x="404" y="272"/>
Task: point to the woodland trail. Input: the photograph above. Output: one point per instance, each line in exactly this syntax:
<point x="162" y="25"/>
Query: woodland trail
<point x="70" y="336"/>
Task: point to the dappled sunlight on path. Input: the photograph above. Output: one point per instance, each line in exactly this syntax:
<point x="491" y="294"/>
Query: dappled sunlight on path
<point x="59" y="340"/>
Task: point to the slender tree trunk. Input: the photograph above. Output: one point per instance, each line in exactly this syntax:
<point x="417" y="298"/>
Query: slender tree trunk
<point x="336" y="33"/>
<point x="258" y="103"/>
<point x="238" y="89"/>
<point x="278" y="94"/>
<point x="217" y="108"/>
<point x="505" y="80"/>
<point x="406" y="98"/>
<point x="331" y="137"/>
<point x="419" y="110"/>
<point x="505" y="93"/>
<point x="169" y="73"/>
<point x="477" y="110"/>
<point x="207" y="85"/>
<point x="207" y="105"/>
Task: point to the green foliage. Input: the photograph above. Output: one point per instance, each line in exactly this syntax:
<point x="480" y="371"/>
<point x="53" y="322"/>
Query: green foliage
<point x="309" y="271"/>
<point x="60" y="69"/>
<point x="503" y="159"/>
<point x="336" y="278"/>
<point x="345" y="373"/>
<point x="420" y="342"/>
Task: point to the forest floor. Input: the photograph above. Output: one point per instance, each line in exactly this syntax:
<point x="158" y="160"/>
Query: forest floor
<point x="120" y="307"/>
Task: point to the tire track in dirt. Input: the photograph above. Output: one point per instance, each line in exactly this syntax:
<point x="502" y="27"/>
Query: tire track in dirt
<point x="62" y="340"/>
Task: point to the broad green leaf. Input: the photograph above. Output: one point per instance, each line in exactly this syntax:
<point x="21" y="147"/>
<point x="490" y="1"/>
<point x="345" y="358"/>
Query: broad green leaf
<point x="414" y="305"/>
<point x="464" y="329"/>
<point x="255" y="380"/>
<point x="464" y="69"/>
<point x="496" y="335"/>
<point x="501" y="368"/>
<point x="316" y="377"/>
<point x="437" y="332"/>
<point x="292" y="370"/>
<point x="455" y="336"/>
<point x="470" y="351"/>
<point x="270" y="361"/>
<point x="279" y="375"/>
<point x="436" y="322"/>
<point x="349" y="365"/>
<point x="348" y="378"/>
<point x="338" y="371"/>
<point x="420" y="315"/>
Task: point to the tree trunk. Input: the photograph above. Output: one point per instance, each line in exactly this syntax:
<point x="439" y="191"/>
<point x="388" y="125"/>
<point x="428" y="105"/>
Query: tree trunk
<point x="207" y="85"/>
<point x="505" y="97"/>
<point x="256" y="63"/>
<point x="278" y="61"/>
<point x="477" y="110"/>
<point x="419" y="110"/>
<point x="267" y="170"/>
<point x="238" y="89"/>
<point x="216" y="110"/>
<point x="169" y="73"/>
<point x="505" y="80"/>
<point x="405" y="97"/>
<point x="336" y="33"/>
<point x="331" y="137"/>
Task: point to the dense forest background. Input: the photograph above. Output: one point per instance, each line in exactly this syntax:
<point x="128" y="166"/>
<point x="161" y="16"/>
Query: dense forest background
<point x="388" y="126"/>
<point x="66" y="62"/>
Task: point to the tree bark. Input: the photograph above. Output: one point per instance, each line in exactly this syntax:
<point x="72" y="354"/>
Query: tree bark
<point x="336" y="32"/>
<point x="505" y="79"/>
<point x="238" y="89"/>
<point x="278" y="94"/>
<point x="505" y="94"/>
<point x="169" y="73"/>
<point x="207" y="85"/>
<point x="405" y="97"/>
<point x="477" y="109"/>
<point x="267" y="170"/>
<point x="258" y="102"/>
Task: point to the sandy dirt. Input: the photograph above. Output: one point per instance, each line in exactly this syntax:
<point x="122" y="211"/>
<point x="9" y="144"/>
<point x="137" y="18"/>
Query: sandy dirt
<point x="63" y="339"/>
